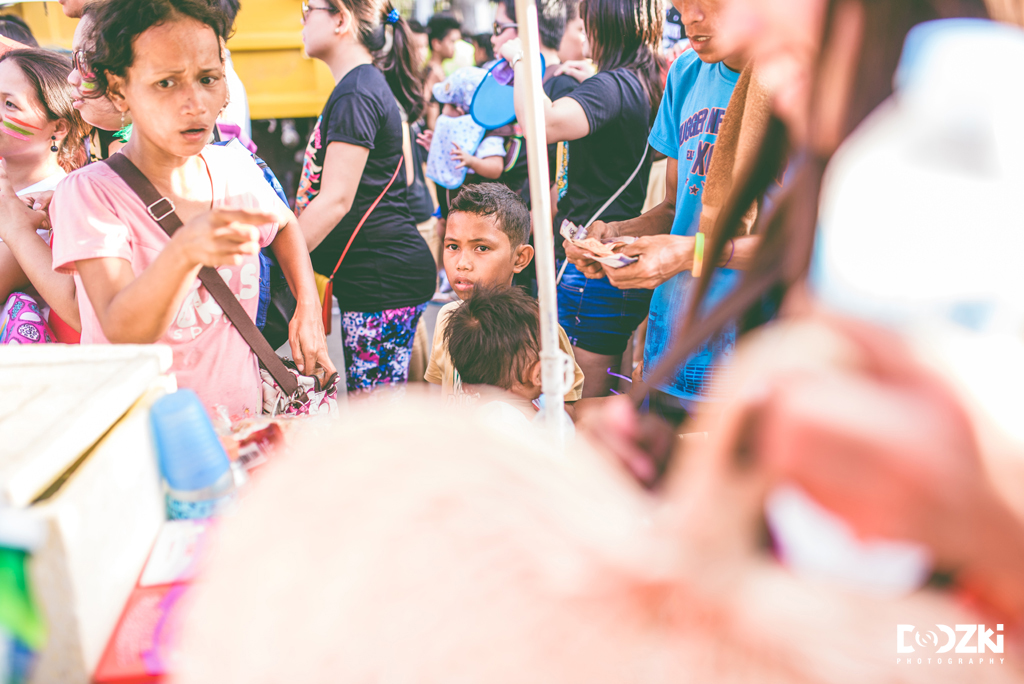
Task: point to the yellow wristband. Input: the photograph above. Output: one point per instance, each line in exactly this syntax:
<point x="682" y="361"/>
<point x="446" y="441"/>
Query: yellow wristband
<point x="698" y="256"/>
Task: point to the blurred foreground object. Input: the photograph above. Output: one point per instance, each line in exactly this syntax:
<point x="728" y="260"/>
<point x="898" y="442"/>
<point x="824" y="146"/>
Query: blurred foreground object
<point x="939" y="240"/>
<point x="471" y="555"/>
<point x="935" y="253"/>
<point x="77" y="453"/>
<point x="22" y="630"/>
<point x="1010" y="11"/>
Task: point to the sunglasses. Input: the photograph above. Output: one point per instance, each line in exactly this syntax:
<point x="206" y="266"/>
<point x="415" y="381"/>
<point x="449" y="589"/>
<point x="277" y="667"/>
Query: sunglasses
<point x="500" y="28"/>
<point x="306" y="9"/>
<point x="81" y="63"/>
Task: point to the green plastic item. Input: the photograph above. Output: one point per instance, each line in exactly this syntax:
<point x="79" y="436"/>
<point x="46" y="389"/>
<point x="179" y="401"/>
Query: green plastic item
<point x="19" y="616"/>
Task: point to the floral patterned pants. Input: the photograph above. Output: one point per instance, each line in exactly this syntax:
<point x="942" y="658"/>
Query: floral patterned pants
<point x="378" y="346"/>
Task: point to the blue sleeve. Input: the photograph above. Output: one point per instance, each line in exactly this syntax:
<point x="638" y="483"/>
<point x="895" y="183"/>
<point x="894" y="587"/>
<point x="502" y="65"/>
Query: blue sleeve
<point x="665" y="132"/>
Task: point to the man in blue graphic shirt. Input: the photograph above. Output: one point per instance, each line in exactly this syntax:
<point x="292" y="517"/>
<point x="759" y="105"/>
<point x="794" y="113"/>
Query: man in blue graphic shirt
<point x="700" y="84"/>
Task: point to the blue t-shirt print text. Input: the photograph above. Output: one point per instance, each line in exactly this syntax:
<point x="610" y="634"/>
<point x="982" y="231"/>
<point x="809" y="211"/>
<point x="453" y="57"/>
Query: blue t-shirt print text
<point x="691" y="114"/>
<point x="709" y="119"/>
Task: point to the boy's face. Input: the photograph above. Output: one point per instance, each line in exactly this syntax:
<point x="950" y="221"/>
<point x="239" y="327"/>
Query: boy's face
<point x="476" y="251"/>
<point x="701" y="19"/>
<point x="445" y="48"/>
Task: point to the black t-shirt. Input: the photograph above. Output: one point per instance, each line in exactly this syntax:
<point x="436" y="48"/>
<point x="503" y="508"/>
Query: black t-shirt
<point x="389" y="266"/>
<point x="619" y="112"/>
<point x="518" y="177"/>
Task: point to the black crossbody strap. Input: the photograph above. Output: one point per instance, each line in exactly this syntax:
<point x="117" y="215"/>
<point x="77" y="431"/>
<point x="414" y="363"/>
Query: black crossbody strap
<point x="162" y="211"/>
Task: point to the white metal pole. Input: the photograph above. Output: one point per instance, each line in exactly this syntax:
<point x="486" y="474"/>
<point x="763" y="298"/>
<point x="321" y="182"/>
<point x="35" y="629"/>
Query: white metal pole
<point x="552" y="368"/>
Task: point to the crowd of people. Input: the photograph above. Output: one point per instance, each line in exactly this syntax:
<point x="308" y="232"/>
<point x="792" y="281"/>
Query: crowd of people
<point x="85" y="259"/>
<point x="626" y="86"/>
<point x="693" y="144"/>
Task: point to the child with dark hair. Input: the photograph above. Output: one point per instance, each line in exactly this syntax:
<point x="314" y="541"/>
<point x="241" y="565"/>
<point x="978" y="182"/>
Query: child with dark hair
<point x="606" y="121"/>
<point x="486" y="244"/>
<point x="494" y="340"/>
<point x="443" y="33"/>
<point x="483" y="51"/>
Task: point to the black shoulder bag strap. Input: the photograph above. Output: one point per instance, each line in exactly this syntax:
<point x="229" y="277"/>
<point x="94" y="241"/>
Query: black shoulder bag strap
<point x="162" y="211"/>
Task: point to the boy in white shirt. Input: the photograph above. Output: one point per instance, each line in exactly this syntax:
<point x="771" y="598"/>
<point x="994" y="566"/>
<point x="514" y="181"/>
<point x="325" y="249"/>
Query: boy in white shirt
<point x="486" y="243"/>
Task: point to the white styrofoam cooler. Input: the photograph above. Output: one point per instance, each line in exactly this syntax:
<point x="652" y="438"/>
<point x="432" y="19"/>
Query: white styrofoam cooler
<point x="76" y="448"/>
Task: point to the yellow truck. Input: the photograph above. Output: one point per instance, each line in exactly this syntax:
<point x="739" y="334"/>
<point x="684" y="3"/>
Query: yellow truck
<point x="266" y="48"/>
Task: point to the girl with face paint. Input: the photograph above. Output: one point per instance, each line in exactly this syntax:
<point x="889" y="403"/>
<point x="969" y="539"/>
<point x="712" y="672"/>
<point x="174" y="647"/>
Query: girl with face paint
<point x="40" y="142"/>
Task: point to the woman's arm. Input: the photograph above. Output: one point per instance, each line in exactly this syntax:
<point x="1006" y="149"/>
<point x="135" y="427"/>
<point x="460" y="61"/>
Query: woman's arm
<point x="407" y="154"/>
<point x="563" y="119"/>
<point x="343" y="167"/>
<point x="12" y="278"/>
<point x="663" y="256"/>
<point x="139" y="310"/>
<point x="306" y="329"/>
<point x="35" y="259"/>
<point x="27" y="258"/>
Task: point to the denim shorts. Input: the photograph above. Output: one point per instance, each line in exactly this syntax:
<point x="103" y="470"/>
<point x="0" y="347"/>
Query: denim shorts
<point x="598" y="317"/>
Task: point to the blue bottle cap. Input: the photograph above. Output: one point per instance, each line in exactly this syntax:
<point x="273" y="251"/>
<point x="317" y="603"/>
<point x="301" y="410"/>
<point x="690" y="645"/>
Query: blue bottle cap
<point x="191" y="456"/>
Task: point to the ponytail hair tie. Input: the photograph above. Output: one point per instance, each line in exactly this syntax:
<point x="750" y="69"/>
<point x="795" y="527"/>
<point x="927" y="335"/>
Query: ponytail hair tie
<point x="393" y="16"/>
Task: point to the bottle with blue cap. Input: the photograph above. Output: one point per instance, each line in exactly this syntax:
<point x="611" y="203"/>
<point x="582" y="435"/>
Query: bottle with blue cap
<point x="197" y="474"/>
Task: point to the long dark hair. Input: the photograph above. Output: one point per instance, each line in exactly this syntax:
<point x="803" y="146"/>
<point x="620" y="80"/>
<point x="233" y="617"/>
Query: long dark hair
<point x="48" y="73"/>
<point x="788" y="232"/>
<point x="386" y="35"/>
<point x="627" y="34"/>
<point x="117" y="24"/>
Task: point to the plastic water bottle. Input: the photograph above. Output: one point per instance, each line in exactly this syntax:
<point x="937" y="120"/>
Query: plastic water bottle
<point x="197" y="473"/>
<point x="22" y="631"/>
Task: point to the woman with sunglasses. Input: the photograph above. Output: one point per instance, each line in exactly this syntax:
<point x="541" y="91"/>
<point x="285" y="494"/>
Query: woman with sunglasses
<point x="162" y="61"/>
<point x="354" y="176"/>
<point x="40" y="141"/>
<point x="606" y="121"/>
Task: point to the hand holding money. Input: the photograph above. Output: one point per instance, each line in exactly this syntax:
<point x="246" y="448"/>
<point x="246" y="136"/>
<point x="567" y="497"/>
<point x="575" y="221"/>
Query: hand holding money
<point x="601" y="251"/>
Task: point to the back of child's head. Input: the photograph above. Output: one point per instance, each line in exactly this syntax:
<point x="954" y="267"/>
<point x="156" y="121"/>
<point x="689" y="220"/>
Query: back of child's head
<point x="493" y="338"/>
<point x="510" y="213"/>
<point x="482" y="41"/>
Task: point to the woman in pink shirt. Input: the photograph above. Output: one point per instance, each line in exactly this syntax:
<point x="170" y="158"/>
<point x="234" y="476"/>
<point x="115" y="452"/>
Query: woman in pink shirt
<point x="162" y="62"/>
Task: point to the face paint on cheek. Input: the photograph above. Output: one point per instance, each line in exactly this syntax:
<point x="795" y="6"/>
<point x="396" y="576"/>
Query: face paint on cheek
<point x="15" y="132"/>
<point x="23" y="124"/>
<point x="18" y="129"/>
